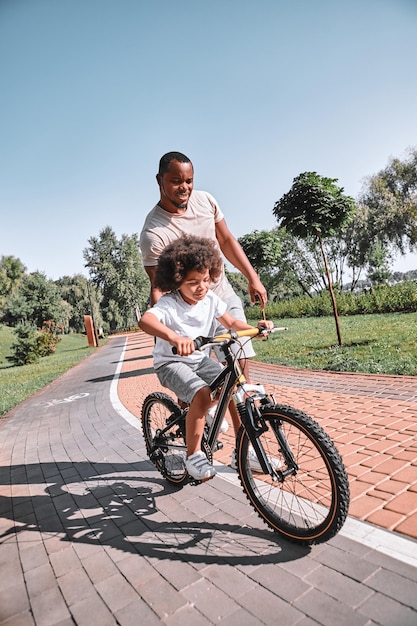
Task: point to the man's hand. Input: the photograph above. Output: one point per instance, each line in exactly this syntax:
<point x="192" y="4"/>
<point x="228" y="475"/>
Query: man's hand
<point x="257" y="290"/>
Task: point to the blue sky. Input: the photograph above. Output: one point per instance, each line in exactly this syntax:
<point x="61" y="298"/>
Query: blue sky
<point x="93" y="92"/>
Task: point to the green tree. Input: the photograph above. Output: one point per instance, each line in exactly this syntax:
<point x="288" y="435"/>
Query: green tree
<point x="315" y="207"/>
<point x="269" y="253"/>
<point x="240" y="286"/>
<point x="115" y="267"/>
<point x="84" y="300"/>
<point x="13" y="268"/>
<point x="25" y="348"/>
<point x="378" y="266"/>
<point x="263" y="249"/>
<point x="36" y="300"/>
<point x="11" y="272"/>
<point x="389" y="199"/>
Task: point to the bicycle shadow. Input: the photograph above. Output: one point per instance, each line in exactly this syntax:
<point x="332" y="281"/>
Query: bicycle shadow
<point x="136" y="358"/>
<point x="117" y="506"/>
<point x="145" y="371"/>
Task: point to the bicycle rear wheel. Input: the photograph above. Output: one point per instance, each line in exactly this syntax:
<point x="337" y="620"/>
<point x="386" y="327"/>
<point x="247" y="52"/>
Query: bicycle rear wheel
<point x="167" y="451"/>
<point x="309" y="503"/>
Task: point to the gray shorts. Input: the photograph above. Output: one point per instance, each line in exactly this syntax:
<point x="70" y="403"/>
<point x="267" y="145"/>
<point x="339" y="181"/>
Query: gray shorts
<point x="235" y="308"/>
<point x="185" y="380"/>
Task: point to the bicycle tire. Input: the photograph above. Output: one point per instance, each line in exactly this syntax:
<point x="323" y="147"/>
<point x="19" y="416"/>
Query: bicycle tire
<point x="311" y="505"/>
<point x="169" y="457"/>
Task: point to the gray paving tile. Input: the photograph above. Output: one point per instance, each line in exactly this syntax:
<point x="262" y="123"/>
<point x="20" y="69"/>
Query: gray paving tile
<point x="65" y="561"/>
<point x="116" y="592"/>
<point x="325" y="610"/>
<point x="210" y="600"/>
<point x="39" y="580"/>
<point x="13" y="600"/>
<point x="266" y="606"/>
<point x="137" y="612"/>
<point x="280" y="582"/>
<point x="92" y="610"/>
<point x="162" y="597"/>
<point x="399" y="588"/>
<point x="75" y="586"/>
<point x="22" y="619"/>
<point x="241" y="617"/>
<point x="346" y="563"/>
<point x="177" y="572"/>
<point x="386" y="611"/>
<point x="49" y="608"/>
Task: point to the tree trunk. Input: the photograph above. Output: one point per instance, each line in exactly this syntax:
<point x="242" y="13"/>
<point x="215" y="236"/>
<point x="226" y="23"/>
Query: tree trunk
<point x="330" y="287"/>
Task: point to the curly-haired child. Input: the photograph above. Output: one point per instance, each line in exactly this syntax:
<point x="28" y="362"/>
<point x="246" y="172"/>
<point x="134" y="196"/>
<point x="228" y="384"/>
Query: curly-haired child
<point x="188" y="308"/>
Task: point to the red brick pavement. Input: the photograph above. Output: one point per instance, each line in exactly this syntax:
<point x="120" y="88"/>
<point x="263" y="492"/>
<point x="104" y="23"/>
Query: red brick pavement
<point x="372" y="420"/>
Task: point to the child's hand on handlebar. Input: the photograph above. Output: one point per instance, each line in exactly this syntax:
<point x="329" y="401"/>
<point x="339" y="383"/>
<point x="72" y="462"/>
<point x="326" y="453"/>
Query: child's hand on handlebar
<point x="184" y="346"/>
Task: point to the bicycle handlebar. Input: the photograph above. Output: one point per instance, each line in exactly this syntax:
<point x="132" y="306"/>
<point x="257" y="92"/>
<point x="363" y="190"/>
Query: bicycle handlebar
<point x="201" y="341"/>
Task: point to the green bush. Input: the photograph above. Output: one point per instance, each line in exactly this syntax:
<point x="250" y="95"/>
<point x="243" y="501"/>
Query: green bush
<point x="48" y="338"/>
<point x="401" y="298"/>
<point x="32" y="344"/>
<point x="25" y="349"/>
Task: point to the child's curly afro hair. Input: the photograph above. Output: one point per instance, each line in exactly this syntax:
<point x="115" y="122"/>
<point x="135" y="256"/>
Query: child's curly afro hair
<point x="183" y="255"/>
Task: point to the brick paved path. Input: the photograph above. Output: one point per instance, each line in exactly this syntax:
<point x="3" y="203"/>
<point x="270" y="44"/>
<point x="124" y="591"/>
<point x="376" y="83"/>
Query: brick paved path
<point x="91" y="534"/>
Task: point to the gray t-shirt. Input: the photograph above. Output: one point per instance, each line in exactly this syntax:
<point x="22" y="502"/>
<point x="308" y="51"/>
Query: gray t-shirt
<point x="200" y="218"/>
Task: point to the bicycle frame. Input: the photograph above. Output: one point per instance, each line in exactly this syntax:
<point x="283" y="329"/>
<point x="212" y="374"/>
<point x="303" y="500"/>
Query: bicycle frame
<point x="230" y="377"/>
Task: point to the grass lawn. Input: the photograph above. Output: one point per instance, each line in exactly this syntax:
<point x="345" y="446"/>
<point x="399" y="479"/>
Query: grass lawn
<point x="378" y="344"/>
<point x="18" y="383"/>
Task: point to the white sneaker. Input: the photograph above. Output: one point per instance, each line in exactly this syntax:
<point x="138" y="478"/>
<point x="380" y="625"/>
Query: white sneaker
<point x="254" y="463"/>
<point x="210" y="416"/>
<point x="198" y="466"/>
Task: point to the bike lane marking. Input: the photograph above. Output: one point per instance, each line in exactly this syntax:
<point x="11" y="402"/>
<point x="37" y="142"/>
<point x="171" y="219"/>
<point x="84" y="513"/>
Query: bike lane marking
<point x="48" y="403"/>
<point x="389" y="543"/>
<point x="114" y="396"/>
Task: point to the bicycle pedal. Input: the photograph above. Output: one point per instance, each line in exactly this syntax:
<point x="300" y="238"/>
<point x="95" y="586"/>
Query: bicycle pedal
<point x="194" y="482"/>
<point x="206" y="479"/>
<point x="156" y="456"/>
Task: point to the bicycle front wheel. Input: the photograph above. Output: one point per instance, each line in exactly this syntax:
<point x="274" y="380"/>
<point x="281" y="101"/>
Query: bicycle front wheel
<point x="166" y="447"/>
<point x="310" y="500"/>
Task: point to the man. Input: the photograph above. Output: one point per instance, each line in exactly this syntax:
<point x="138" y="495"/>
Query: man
<point x="183" y="210"/>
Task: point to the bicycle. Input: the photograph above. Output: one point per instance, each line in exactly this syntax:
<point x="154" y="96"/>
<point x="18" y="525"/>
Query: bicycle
<point x="305" y="498"/>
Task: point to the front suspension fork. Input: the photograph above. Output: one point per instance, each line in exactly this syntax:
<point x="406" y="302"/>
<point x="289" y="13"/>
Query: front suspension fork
<point x="255" y="425"/>
<point x="252" y="421"/>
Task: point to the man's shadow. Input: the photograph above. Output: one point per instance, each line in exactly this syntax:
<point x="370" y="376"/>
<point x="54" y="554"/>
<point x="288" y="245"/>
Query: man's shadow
<point x="116" y="505"/>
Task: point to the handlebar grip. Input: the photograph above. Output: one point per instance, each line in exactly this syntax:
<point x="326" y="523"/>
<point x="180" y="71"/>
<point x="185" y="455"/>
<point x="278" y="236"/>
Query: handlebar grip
<point x="198" y="342"/>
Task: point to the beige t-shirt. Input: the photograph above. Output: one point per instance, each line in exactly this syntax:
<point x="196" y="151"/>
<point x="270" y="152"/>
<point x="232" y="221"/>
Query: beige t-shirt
<point x="162" y="227"/>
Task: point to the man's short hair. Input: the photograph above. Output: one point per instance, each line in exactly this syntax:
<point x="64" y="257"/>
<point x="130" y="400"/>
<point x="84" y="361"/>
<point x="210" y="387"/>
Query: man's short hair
<point x="165" y="161"/>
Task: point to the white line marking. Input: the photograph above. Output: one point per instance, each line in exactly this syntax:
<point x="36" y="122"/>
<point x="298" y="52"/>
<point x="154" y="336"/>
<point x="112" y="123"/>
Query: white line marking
<point x="114" y="396"/>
